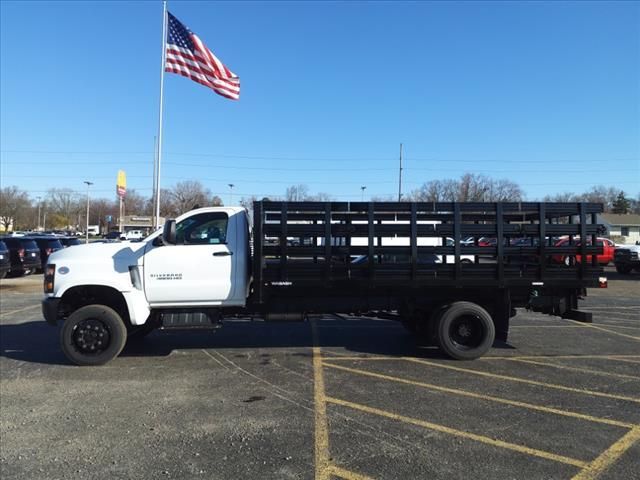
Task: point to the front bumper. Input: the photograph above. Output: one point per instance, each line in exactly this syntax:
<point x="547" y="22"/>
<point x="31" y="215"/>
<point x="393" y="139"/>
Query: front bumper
<point x="50" y="309"/>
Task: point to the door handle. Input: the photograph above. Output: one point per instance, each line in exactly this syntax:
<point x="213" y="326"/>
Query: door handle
<point x="222" y="254"/>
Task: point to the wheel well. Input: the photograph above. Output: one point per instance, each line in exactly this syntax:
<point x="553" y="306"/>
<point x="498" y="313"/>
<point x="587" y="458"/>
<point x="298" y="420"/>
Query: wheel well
<point x="77" y="297"/>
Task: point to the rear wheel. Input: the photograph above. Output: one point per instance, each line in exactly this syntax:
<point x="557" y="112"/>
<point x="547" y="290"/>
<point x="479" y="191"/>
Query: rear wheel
<point x="93" y="335"/>
<point x="465" y="331"/>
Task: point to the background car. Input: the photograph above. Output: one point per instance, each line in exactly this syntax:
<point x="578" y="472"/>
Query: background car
<point x="114" y="235"/>
<point x="606" y="257"/>
<point x="5" y="261"/>
<point x="47" y="246"/>
<point x="24" y="254"/>
<point x="134" y="235"/>
<point x="69" y="241"/>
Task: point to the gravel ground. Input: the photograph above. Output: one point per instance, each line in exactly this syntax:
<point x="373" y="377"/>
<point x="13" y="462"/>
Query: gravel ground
<point x="252" y="401"/>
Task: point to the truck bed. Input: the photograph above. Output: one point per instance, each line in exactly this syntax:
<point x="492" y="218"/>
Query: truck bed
<point x="355" y="246"/>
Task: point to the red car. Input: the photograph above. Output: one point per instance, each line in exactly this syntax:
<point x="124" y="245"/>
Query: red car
<point x="608" y="249"/>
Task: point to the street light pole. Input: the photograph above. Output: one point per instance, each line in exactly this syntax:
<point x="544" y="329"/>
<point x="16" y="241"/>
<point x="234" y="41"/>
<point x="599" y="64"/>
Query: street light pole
<point x="38" y="227"/>
<point x="87" y="230"/>
<point x="231" y="185"/>
<point x="363" y="188"/>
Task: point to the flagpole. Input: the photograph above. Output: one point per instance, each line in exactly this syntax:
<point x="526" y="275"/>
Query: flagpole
<point x="159" y="149"/>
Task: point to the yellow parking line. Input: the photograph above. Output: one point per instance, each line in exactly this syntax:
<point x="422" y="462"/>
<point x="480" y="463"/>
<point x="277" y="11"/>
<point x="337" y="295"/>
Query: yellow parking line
<point x="632" y="307"/>
<point x="5" y="314"/>
<point x="604" y="357"/>
<point x="460" y="433"/>
<point x="524" y="380"/>
<point x="609" y="456"/>
<point x="589" y="325"/>
<point x="346" y="474"/>
<point x="577" y="369"/>
<point x="466" y="393"/>
<point x="320" y="412"/>
<point x="336" y="358"/>
<point x="542" y="326"/>
<point x="628" y="360"/>
<point x="615" y="325"/>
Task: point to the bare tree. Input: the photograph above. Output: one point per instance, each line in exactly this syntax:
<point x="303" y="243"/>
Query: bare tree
<point x="320" y="197"/>
<point x="100" y="208"/>
<point x="297" y="193"/>
<point x="134" y="203"/>
<point x="189" y="194"/>
<point x="63" y="204"/>
<point x="561" y="197"/>
<point x="14" y="207"/>
<point x="469" y="188"/>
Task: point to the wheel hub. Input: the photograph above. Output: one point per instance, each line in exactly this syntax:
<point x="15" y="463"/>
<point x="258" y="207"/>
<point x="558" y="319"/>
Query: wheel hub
<point x="466" y="331"/>
<point x="91" y="336"/>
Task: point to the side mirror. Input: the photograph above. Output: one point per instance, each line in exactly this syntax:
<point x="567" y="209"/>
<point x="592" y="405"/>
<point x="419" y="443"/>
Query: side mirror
<point x="169" y="232"/>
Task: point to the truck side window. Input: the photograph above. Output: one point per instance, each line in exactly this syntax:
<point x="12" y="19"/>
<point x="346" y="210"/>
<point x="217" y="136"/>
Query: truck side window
<point x="203" y="229"/>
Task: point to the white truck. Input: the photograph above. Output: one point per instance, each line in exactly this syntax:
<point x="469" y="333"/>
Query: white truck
<point x="209" y="265"/>
<point x="627" y="258"/>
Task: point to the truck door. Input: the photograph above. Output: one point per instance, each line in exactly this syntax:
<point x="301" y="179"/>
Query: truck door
<point x="199" y="269"/>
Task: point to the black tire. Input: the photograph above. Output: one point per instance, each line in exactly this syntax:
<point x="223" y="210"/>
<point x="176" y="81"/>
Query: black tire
<point x="624" y="269"/>
<point x="465" y="331"/>
<point x="85" y="332"/>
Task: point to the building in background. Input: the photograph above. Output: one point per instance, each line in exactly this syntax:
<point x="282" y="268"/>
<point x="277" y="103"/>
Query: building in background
<point x="622" y="228"/>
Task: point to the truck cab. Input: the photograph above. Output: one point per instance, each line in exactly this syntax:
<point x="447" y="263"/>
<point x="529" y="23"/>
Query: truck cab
<point x="196" y="266"/>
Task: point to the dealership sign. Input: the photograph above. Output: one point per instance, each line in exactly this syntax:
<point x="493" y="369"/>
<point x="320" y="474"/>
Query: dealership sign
<point x="121" y="185"/>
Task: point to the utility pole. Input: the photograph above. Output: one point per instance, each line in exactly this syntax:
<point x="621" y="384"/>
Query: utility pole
<point x="363" y="188"/>
<point x="87" y="231"/>
<point x="400" y="176"/>
<point x="231" y="185"/>
<point x="38" y="227"/>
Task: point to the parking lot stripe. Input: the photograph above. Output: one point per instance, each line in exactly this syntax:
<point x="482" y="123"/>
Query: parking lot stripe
<point x="628" y="360"/>
<point x="617" y="307"/>
<point x="617" y="325"/>
<point x="577" y="369"/>
<point x="592" y="393"/>
<point x="321" y="431"/>
<point x="346" y="474"/>
<point x="460" y="433"/>
<point x="589" y="325"/>
<point x="6" y="314"/>
<point x="479" y="396"/>
<point x="604" y="357"/>
<point x="609" y="456"/>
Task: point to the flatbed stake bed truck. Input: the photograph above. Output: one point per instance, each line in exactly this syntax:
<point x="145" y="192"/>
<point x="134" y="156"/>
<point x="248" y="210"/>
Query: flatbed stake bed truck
<point x="404" y="261"/>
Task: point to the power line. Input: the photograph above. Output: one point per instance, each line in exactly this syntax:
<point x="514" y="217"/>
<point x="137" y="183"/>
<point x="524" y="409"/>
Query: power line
<point x="295" y="158"/>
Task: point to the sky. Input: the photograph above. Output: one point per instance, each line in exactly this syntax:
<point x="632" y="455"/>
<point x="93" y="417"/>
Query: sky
<point x="546" y="94"/>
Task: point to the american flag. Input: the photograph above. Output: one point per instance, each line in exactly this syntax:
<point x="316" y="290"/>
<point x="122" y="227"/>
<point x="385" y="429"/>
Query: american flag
<point x="189" y="57"/>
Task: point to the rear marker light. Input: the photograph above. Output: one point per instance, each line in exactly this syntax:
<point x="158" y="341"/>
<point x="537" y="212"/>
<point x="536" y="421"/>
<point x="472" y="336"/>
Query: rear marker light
<point x="602" y="281"/>
<point x="21" y="252"/>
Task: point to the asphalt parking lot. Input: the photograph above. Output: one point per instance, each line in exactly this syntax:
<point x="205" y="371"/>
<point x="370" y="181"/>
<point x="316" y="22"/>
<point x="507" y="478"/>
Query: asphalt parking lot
<point x="337" y="397"/>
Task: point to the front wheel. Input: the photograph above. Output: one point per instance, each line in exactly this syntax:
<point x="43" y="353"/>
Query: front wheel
<point x="465" y="331"/>
<point x="93" y="335"/>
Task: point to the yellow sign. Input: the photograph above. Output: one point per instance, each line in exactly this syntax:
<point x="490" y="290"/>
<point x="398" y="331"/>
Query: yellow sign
<point x="121" y="185"/>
